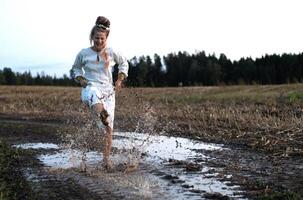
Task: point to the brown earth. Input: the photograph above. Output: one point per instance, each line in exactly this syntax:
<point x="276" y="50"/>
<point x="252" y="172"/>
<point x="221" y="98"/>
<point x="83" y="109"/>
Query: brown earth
<point x="261" y="125"/>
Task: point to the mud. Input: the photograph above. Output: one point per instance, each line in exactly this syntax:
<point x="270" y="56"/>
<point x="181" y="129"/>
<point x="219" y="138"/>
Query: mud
<point x="177" y="169"/>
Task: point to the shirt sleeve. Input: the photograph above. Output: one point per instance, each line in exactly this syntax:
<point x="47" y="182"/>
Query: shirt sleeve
<point x="122" y="63"/>
<point x="77" y="68"/>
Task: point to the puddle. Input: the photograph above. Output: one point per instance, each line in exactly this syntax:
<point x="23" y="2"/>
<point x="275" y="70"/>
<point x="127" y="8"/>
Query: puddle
<point x="65" y="159"/>
<point x="163" y="148"/>
<point x="168" y="159"/>
<point x="210" y="185"/>
<point x="159" y="149"/>
<point x="37" y="146"/>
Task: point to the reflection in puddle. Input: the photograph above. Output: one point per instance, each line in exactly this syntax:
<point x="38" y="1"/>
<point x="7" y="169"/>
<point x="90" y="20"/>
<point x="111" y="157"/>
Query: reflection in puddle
<point x="163" y="147"/>
<point x="37" y="146"/>
<point x="65" y="159"/>
<point x="159" y="152"/>
<point x="158" y="149"/>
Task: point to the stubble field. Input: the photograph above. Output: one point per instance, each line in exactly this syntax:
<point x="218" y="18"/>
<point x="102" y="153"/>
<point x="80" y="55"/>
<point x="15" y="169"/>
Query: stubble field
<point x="265" y="120"/>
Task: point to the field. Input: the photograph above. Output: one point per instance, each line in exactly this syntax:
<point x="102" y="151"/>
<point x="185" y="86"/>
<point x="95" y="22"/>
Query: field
<point x="264" y="121"/>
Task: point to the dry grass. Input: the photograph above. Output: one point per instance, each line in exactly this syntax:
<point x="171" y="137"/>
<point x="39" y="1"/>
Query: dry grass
<point x="261" y="117"/>
<point x="38" y="102"/>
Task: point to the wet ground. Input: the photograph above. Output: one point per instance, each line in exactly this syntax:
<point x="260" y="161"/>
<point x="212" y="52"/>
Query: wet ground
<point x="144" y="166"/>
<point x="150" y="167"/>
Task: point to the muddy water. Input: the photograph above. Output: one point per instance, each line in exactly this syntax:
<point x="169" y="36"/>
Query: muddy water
<point x="145" y="166"/>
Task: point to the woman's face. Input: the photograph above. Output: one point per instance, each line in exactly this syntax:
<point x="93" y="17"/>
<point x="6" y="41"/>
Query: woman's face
<point x="99" y="40"/>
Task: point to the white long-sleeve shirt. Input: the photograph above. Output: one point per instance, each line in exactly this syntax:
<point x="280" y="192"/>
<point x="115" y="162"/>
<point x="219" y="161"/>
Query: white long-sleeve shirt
<point x="86" y="65"/>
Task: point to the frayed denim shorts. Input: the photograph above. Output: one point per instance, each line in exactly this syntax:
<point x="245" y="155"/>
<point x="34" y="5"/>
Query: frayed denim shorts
<point x="100" y="93"/>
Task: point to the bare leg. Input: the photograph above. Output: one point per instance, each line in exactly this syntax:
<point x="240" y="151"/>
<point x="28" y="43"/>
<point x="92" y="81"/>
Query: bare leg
<point x="107" y="140"/>
<point x="107" y="145"/>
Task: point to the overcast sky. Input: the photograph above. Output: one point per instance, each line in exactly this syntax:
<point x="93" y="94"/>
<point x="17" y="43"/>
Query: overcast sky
<point x="46" y="35"/>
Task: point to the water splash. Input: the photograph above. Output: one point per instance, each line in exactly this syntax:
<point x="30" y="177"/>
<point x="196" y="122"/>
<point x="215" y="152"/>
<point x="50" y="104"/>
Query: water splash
<point x="68" y="158"/>
<point x="157" y="149"/>
<point x="163" y="165"/>
<point x="163" y="147"/>
<point x="143" y="145"/>
<point x="84" y="136"/>
<point x="81" y="136"/>
<point x="146" y="123"/>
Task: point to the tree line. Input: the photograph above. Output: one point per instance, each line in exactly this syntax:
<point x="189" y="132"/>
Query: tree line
<point x="184" y="69"/>
<point x="8" y="77"/>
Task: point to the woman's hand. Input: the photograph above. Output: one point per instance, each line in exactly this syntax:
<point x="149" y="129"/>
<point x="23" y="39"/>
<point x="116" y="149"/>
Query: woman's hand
<point x="83" y="82"/>
<point x="118" y="85"/>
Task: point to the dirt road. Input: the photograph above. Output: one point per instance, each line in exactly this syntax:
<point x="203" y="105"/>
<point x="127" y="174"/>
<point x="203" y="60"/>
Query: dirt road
<point x="162" y="168"/>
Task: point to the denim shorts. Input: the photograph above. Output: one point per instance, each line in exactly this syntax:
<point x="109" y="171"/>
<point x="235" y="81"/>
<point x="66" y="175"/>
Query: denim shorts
<point x="100" y="93"/>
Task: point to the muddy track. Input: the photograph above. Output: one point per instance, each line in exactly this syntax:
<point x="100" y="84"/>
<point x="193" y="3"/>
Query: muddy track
<point x="30" y="122"/>
<point x="252" y="174"/>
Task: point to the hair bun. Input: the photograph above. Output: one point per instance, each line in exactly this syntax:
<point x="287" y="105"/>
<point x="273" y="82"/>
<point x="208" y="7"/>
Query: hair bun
<point x="103" y="21"/>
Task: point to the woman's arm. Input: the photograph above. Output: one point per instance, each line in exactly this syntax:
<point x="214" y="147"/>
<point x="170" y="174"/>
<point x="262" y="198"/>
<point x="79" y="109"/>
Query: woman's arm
<point x="77" y="71"/>
<point x="122" y="69"/>
<point x="122" y="64"/>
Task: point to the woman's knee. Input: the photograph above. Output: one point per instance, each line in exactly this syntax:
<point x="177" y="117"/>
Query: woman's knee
<point x="98" y="108"/>
<point x="102" y="116"/>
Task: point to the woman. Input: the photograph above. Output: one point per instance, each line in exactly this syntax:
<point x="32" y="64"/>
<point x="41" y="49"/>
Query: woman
<point x="93" y="71"/>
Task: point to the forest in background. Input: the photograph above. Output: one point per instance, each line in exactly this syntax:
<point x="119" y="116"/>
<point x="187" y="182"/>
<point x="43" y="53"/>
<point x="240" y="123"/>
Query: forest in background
<point x="184" y="69"/>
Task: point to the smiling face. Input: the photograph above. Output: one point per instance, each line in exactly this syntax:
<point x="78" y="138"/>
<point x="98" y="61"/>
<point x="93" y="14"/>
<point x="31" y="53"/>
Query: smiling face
<point x="99" y="40"/>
